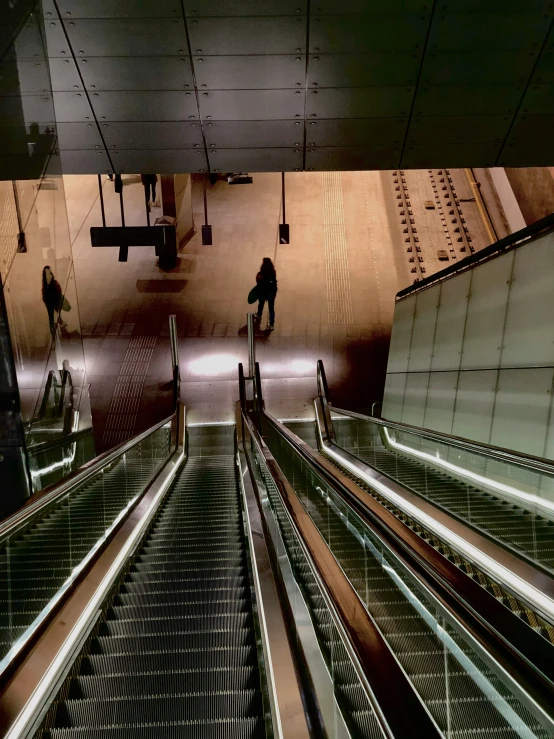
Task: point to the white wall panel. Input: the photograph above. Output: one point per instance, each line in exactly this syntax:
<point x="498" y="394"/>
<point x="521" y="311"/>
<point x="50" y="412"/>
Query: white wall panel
<point x="394" y="396"/>
<point x="447" y="349"/>
<point x="439" y="409"/>
<point x="529" y="336"/>
<point x="486" y="313"/>
<point x="423" y="331"/>
<point x="474" y="404"/>
<point x="414" y="398"/>
<point x="521" y="409"/>
<point x="401" y="335"/>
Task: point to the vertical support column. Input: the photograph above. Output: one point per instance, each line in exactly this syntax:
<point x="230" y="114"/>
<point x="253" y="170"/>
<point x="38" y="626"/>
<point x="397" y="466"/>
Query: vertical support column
<point x="251" y="345"/>
<point x="21" y="245"/>
<point x="101" y="194"/>
<point x="175" y="359"/>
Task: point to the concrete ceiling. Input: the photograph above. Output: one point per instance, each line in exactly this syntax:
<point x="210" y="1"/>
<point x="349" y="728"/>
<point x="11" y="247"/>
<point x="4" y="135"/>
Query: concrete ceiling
<point x="272" y="85"/>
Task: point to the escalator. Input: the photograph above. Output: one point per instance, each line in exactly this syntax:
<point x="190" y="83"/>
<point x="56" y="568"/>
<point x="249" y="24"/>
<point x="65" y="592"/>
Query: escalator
<point x="175" y="650"/>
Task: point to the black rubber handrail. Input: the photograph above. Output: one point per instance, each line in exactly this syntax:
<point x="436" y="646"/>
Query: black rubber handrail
<point x="513" y="240"/>
<point x="521" y="650"/>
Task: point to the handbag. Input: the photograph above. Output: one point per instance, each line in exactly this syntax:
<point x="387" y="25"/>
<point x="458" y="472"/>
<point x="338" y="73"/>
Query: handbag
<point x="253" y="295"/>
<point x="66" y="305"/>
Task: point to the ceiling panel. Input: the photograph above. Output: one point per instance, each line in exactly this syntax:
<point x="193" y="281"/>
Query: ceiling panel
<point x="451" y="155"/>
<point x="353" y="158"/>
<point x="252" y="104"/>
<point x="263" y="72"/>
<point x="527" y="128"/>
<point x="24" y="77"/>
<point x="363" y="70"/>
<point x="152" y="135"/>
<point x="255" y="160"/>
<point x="545" y="67"/>
<point x="79" y="136"/>
<point x="527" y="154"/>
<point x="136" y="73"/>
<point x="362" y="102"/>
<point x="368" y="33"/>
<point x="478" y="67"/>
<point x="84" y="161"/>
<point x="356" y="132"/>
<point x="162" y="161"/>
<point x="369" y="6"/>
<point x="125" y="106"/>
<point x="457" y="31"/>
<point x="463" y="129"/>
<point x="117" y="37"/>
<point x="539" y="99"/>
<point x="112" y="9"/>
<point x="213" y="8"/>
<point x="458" y="100"/>
<point x="254" y="134"/>
<point x="258" y="35"/>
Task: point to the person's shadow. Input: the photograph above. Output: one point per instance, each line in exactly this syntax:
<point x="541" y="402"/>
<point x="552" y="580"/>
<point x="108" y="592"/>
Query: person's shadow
<point x="259" y="332"/>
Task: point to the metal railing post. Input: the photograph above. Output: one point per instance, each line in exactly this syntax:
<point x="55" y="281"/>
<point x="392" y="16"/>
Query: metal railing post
<point x="251" y="346"/>
<point x="175" y="359"/>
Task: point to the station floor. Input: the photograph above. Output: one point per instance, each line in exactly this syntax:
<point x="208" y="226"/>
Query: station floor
<point x="337" y="281"/>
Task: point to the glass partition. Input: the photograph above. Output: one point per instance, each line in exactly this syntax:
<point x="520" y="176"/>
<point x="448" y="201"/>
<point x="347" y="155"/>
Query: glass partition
<point x="463" y="688"/>
<point x="40" y="562"/>
<point x="510" y="502"/>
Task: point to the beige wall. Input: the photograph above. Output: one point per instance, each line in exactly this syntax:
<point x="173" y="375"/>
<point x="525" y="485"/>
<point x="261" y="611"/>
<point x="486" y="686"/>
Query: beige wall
<point x="183" y="207"/>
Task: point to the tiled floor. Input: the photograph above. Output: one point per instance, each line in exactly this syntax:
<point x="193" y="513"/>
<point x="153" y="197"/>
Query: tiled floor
<point x="343" y="248"/>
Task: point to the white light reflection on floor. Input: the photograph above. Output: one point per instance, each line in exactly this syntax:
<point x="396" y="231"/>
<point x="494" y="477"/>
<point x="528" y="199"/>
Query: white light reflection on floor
<point x="214" y="365"/>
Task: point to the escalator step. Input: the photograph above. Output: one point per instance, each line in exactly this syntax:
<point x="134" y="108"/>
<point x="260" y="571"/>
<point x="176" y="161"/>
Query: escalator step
<point x="245" y="728"/>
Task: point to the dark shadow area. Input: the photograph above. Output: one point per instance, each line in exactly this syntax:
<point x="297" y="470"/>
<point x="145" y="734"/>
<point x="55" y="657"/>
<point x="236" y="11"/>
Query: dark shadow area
<point x="161" y="286"/>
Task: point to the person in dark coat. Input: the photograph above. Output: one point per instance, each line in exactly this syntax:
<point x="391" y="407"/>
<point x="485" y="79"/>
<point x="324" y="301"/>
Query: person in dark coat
<point x="149" y="181"/>
<point x="266" y="279"/>
<point x="52" y="297"/>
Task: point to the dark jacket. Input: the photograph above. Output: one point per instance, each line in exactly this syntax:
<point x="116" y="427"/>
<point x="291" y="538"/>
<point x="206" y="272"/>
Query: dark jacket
<point x="267" y="286"/>
<point x="52" y="295"/>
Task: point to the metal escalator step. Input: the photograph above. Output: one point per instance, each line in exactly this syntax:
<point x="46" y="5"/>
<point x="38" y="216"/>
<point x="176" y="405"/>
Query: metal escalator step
<point x="210" y="657"/>
<point x="244" y="728"/>
<point x="181" y="567"/>
<point x="183" y="608"/>
<point x="134" y="711"/>
<point x="163" y="683"/>
<point x="134" y="643"/>
<point x="216" y="559"/>
<point x="177" y="624"/>
<point x="139" y="582"/>
<point x="189" y="595"/>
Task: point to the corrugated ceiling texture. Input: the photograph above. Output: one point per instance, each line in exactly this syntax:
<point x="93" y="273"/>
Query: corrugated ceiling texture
<point x="286" y="85"/>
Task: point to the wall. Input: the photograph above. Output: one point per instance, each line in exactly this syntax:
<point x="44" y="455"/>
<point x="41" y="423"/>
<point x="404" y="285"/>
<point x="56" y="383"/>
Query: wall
<point x="183" y="207"/>
<point x="534" y="191"/>
<point x="473" y="356"/>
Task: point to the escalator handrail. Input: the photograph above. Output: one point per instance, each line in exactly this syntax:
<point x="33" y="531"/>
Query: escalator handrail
<point x="539" y="464"/>
<point x="385" y="682"/>
<point x="494" y="249"/>
<point x="500" y="630"/>
<point x="49" y="495"/>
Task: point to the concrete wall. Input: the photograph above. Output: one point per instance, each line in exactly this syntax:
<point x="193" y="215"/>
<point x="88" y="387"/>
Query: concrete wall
<point x="183" y="208"/>
<point x="473" y="356"/>
<point x="534" y="191"/>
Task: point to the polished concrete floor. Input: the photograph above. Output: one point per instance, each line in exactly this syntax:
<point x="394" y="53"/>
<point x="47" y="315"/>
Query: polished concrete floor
<point x="337" y="282"/>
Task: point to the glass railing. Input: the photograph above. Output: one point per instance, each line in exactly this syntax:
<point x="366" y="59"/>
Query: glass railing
<point x="46" y="546"/>
<point x="348" y="706"/>
<point x="507" y="497"/>
<point x="466" y="691"/>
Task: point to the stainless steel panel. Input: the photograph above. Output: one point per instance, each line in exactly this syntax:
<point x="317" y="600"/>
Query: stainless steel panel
<point x="478" y="67"/>
<point x="532" y="128"/>
<point x="64" y="75"/>
<point x="168" y="161"/>
<point x="252" y="104"/>
<point x="230" y="36"/>
<point x="363" y="70"/>
<point x="118" y="37"/>
<point x="24" y="77"/>
<point x="461" y="129"/>
<point x="85" y="162"/>
<point x="353" y="157"/>
<point x="72" y="106"/>
<point x="488" y="30"/>
<point x="359" y="102"/>
<point x="528" y="153"/>
<point x="137" y="73"/>
<point x="29" y="43"/>
<point x="545" y="67"/>
<point x="114" y="8"/>
<point x="539" y="99"/>
<point x="538" y="6"/>
<point x="214" y="8"/>
<point x="451" y="155"/>
<point x="262" y="72"/>
<point x="256" y="134"/>
<point x="374" y="7"/>
<point x="152" y="135"/>
<point x="79" y="136"/>
<point x="460" y="99"/>
<point x="144" y="106"/>
<point x="361" y="132"/>
<point x="368" y="33"/>
<point x="255" y="160"/>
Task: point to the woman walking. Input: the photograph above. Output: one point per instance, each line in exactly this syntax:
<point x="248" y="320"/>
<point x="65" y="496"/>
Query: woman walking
<point x="266" y="279"/>
<point x="52" y="297"/>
